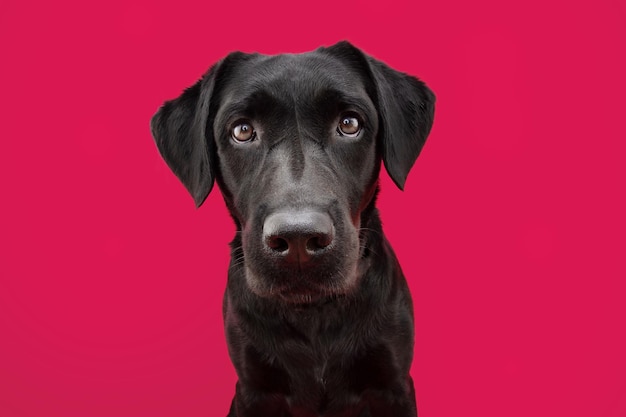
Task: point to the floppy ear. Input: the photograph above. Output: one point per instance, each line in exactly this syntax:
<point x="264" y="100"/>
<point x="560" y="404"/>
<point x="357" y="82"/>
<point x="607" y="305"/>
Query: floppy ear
<point x="406" y="110"/>
<point x="185" y="141"/>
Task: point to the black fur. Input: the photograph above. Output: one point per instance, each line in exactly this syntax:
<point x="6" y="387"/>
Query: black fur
<point x="317" y="312"/>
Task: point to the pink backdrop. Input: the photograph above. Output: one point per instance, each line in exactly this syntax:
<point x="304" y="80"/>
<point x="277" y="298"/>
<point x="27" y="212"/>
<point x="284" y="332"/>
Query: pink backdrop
<point x="511" y="229"/>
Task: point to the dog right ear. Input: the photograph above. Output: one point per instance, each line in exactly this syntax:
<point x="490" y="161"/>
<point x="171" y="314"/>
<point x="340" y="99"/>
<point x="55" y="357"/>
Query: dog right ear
<point x="183" y="138"/>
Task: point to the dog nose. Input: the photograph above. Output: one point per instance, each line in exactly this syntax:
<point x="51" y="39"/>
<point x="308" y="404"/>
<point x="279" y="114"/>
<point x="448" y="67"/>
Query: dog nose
<point x="298" y="236"/>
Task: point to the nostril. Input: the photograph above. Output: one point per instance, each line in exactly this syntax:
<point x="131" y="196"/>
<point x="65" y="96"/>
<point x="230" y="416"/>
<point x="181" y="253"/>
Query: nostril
<point x="318" y="242"/>
<point x="277" y="243"/>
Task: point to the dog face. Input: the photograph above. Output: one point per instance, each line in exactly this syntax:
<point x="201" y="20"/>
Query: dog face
<point x="295" y="144"/>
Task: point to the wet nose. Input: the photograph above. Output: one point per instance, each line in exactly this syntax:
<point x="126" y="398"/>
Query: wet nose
<point x="298" y="236"/>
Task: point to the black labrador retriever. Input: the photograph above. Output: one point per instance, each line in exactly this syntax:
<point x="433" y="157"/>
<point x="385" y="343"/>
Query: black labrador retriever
<point x="317" y="312"/>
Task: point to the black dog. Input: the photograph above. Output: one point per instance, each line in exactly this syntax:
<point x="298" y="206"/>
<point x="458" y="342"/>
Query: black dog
<point x="318" y="316"/>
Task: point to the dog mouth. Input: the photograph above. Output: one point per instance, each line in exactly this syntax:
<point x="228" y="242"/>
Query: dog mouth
<point x="303" y="288"/>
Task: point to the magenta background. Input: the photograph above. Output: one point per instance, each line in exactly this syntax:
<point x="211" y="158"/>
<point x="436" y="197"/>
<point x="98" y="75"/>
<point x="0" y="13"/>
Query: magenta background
<point x="511" y="230"/>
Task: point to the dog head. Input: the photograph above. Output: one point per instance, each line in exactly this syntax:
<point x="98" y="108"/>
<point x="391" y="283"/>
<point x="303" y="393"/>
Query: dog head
<point x="295" y="143"/>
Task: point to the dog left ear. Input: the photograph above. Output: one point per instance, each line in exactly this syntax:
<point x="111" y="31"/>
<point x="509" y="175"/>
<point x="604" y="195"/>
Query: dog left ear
<point x="407" y="110"/>
<point x="405" y="105"/>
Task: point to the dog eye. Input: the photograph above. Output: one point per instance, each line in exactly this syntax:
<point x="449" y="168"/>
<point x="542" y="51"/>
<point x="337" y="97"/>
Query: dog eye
<point x="243" y="132"/>
<point x="349" y="125"/>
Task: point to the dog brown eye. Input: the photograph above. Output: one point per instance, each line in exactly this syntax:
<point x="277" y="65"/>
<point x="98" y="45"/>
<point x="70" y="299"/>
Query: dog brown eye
<point x="243" y="132"/>
<point x="349" y="126"/>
